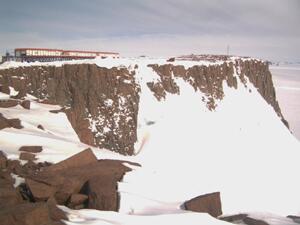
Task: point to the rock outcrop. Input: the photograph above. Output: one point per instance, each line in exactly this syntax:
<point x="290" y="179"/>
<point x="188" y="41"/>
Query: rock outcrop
<point x="8" y="123"/>
<point x="206" y="79"/>
<point x="243" y="219"/>
<point x="209" y="80"/>
<point x="78" y="182"/>
<point x="102" y="104"/>
<point x="209" y="203"/>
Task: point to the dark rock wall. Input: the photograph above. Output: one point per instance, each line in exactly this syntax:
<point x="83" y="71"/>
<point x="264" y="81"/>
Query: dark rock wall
<point x="102" y="104"/>
<point x="209" y="80"/>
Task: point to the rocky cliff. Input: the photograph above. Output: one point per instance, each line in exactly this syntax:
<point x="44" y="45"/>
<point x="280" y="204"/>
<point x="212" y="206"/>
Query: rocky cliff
<point x="102" y="104"/>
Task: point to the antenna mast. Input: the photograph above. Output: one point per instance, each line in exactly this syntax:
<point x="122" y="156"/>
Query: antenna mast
<point x="227" y="50"/>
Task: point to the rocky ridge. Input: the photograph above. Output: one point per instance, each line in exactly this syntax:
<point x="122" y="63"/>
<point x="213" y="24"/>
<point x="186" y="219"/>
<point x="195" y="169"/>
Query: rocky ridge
<point x="102" y="104"/>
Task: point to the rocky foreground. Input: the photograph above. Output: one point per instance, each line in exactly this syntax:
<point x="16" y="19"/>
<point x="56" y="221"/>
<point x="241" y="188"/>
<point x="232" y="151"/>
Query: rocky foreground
<point x="79" y="182"/>
<point x="31" y="192"/>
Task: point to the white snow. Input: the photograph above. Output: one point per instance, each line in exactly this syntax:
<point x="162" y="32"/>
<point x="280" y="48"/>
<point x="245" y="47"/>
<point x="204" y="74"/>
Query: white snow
<point x="58" y="140"/>
<point x="241" y="149"/>
<point x="18" y="180"/>
<point x="94" y="217"/>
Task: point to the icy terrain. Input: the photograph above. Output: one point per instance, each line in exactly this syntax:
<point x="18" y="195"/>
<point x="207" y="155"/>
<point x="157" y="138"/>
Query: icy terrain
<point x="241" y="149"/>
<point x="287" y="85"/>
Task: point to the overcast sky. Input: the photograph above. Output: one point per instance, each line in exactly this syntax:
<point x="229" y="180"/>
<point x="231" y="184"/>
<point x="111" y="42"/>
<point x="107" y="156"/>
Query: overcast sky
<point x="266" y="29"/>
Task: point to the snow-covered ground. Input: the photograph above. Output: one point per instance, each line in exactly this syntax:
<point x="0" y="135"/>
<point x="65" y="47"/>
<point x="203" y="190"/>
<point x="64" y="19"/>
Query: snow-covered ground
<point x="287" y="85"/>
<point x="241" y="149"/>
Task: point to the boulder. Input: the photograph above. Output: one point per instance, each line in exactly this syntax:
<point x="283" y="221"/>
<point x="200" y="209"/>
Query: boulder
<point x="296" y="219"/>
<point x="234" y="218"/>
<point x="55" y="213"/>
<point x="32" y="149"/>
<point x="27" y="156"/>
<point x="40" y="191"/>
<point x="6" y="175"/>
<point x="14" y="166"/>
<point x="84" y="158"/>
<point x="8" y="103"/>
<point x="209" y="203"/>
<point x="25" y="214"/>
<point x="9" y="196"/>
<point x="56" y="111"/>
<point x="171" y="59"/>
<point x="102" y="192"/>
<point x="15" y="123"/>
<point x="251" y="221"/>
<point x="40" y="127"/>
<point x="7" y="123"/>
<point x="72" y="184"/>
<point x="3" y="160"/>
<point x="4" y="123"/>
<point x="4" y="89"/>
<point x="25" y="104"/>
<point x="77" y="200"/>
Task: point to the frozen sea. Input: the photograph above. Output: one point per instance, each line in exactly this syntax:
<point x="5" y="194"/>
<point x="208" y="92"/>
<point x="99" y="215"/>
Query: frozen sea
<point x="287" y="84"/>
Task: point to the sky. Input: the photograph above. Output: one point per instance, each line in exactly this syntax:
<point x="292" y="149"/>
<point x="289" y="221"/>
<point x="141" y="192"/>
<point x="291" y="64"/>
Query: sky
<point x="267" y="29"/>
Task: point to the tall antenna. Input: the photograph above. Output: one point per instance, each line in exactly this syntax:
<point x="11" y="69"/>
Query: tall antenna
<point x="227" y="50"/>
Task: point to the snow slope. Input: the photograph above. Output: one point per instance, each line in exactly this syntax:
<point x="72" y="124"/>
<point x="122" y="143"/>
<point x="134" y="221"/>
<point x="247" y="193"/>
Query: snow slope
<point x="241" y="149"/>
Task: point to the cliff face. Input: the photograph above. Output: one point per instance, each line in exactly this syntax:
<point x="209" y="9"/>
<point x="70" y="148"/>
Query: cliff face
<point x="102" y="104"/>
<point x="209" y="80"/>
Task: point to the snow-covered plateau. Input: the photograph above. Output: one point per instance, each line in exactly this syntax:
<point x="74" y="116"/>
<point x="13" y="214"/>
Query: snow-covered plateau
<point x="195" y="127"/>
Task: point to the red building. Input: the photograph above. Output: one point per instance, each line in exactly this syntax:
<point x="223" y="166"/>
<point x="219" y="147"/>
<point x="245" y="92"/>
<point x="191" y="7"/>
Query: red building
<point x="46" y="54"/>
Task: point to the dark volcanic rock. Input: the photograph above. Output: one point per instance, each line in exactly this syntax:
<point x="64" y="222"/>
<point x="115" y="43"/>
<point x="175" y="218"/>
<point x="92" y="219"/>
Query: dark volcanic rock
<point x="55" y="213"/>
<point x="171" y="60"/>
<point x="4" y="89"/>
<point x="32" y="149"/>
<point x="296" y="219"/>
<point x="259" y="75"/>
<point x="40" y="191"/>
<point x="9" y="196"/>
<point x="234" y="218"/>
<point x="73" y="176"/>
<point x="102" y="193"/>
<point x="77" y="200"/>
<point x="84" y="158"/>
<point x="14" y="166"/>
<point x="102" y="104"/>
<point x="15" y="123"/>
<point x="8" y="103"/>
<point x="16" y="203"/>
<point x="27" y="156"/>
<point x="25" y="104"/>
<point x="25" y="214"/>
<point x="7" y="123"/>
<point x="93" y="97"/>
<point x="209" y="203"/>
<point x="4" y="123"/>
<point x="251" y="221"/>
<point x="40" y="127"/>
<point x="3" y="160"/>
<point x="207" y="79"/>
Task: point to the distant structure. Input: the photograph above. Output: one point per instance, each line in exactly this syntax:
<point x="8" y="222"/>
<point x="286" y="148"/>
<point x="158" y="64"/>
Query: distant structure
<point x="48" y="55"/>
<point x="227" y="50"/>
